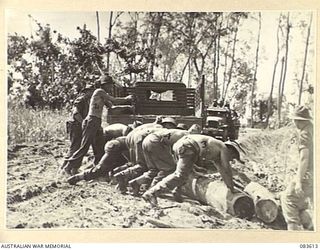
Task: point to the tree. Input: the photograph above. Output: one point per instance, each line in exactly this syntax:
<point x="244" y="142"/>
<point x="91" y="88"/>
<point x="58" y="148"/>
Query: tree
<point x="283" y="68"/>
<point x="269" y="113"/>
<point x="255" y="71"/>
<point x="304" y="61"/>
<point x="236" y="20"/>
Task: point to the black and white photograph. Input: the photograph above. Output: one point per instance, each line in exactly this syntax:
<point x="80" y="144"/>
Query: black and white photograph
<point x="160" y="120"/>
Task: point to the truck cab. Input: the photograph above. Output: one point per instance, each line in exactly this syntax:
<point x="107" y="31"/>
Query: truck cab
<point x="221" y="123"/>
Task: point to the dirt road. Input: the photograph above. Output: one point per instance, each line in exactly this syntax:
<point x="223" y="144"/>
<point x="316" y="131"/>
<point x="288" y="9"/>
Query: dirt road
<point x="35" y="200"/>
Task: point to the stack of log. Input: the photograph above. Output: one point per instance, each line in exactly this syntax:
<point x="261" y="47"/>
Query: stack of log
<point x="250" y="200"/>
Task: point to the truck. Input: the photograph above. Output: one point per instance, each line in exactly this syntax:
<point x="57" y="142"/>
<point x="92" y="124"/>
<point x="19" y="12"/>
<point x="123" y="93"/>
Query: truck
<point x="174" y="99"/>
<point x="153" y="98"/>
<point x="221" y="123"/>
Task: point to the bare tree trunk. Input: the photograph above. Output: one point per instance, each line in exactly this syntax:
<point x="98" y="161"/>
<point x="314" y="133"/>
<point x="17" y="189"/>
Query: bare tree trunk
<point x="279" y="91"/>
<point x="184" y="68"/>
<point x="157" y="26"/>
<point x="232" y="63"/>
<point x="305" y="60"/>
<point x="217" y="64"/>
<point x="214" y="70"/>
<point x="285" y="65"/>
<point x="225" y="63"/>
<point x="98" y="26"/>
<point x="273" y="75"/>
<point x="109" y="37"/>
<point x="256" y="70"/>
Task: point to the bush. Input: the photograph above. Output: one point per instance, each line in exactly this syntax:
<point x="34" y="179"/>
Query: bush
<point x="33" y="125"/>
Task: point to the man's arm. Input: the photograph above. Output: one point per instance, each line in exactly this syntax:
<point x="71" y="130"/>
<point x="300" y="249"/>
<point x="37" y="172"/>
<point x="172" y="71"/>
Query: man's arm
<point x="304" y="163"/>
<point x="225" y="170"/>
<point x="118" y="100"/>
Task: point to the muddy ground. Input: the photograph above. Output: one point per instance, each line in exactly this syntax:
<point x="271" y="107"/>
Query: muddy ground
<point x="35" y="200"/>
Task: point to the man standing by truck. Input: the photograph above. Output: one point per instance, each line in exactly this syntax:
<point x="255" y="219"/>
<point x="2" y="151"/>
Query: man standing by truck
<point x="92" y="131"/>
<point x="296" y="199"/>
<point x="79" y="112"/>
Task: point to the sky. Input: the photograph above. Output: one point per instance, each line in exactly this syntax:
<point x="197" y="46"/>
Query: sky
<point x="67" y="22"/>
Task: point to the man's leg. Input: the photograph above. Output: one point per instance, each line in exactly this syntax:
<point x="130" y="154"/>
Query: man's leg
<point x="178" y="178"/>
<point x="290" y="207"/>
<point x="98" y="146"/>
<point x="75" y="136"/>
<point x="89" y="131"/>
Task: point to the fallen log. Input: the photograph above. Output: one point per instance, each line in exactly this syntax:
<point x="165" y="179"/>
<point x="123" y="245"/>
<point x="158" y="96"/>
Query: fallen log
<point x="266" y="207"/>
<point x="215" y="193"/>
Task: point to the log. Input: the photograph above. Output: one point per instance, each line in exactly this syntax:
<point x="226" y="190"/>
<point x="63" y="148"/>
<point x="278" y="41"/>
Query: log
<point x="266" y="207"/>
<point x="216" y="194"/>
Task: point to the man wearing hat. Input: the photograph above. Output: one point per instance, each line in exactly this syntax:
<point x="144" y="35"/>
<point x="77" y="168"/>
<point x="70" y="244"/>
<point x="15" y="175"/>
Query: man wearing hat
<point x="134" y="142"/>
<point x="190" y="150"/>
<point x="79" y="112"/>
<point x="295" y="200"/>
<point x="92" y="131"/>
<point x="182" y="126"/>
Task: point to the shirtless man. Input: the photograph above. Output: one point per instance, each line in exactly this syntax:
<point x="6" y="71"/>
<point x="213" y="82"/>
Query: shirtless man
<point x="92" y="132"/>
<point x="188" y="151"/>
<point x="157" y="148"/>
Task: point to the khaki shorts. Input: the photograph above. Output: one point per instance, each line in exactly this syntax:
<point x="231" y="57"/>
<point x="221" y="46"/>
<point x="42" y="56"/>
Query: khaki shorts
<point x="293" y="204"/>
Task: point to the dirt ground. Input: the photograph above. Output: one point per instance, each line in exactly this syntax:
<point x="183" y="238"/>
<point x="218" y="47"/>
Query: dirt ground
<point x="35" y="200"/>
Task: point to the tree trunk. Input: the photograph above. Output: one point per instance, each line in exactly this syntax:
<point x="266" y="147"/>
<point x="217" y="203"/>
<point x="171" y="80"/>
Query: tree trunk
<point x="156" y="26"/>
<point x="109" y="37"/>
<point x="256" y="70"/>
<point x="285" y="65"/>
<point x="184" y="68"/>
<point x="273" y="75"/>
<point x="304" y="61"/>
<point x="216" y="194"/>
<point x="266" y="207"/>
<point x="279" y="91"/>
<point x="232" y="63"/>
<point x="217" y="64"/>
<point x="98" y="26"/>
<point x="225" y="62"/>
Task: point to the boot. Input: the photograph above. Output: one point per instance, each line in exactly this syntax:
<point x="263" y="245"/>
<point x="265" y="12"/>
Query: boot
<point x="135" y="187"/>
<point x="73" y="180"/>
<point x="122" y="184"/>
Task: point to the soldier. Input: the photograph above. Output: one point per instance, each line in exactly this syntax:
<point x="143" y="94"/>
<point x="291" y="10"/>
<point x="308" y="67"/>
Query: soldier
<point x="188" y="151"/>
<point x="298" y="195"/>
<point x="92" y="132"/>
<point x="157" y="148"/>
<point x="182" y="126"/>
<point x="134" y="142"/>
<point x="116" y="154"/>
<point x="79" y="112"/>
<point x="118" y="129"/>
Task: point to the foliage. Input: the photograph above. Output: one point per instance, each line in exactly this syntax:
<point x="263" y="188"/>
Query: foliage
<point x="32" y="125"/>
<point x="48" y="69"/>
